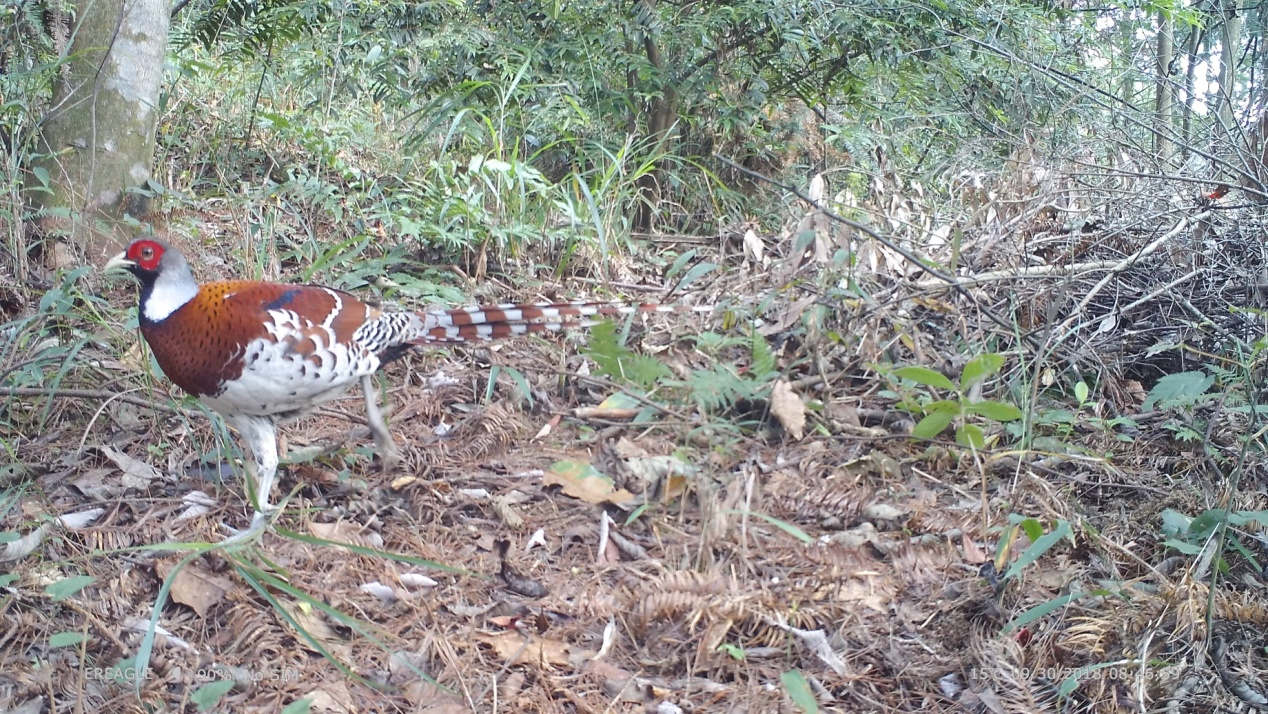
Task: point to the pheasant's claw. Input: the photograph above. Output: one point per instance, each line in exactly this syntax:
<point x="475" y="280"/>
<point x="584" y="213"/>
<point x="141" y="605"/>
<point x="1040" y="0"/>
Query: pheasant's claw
<point x="260" y="522"/>
<point x="389" y="455"/>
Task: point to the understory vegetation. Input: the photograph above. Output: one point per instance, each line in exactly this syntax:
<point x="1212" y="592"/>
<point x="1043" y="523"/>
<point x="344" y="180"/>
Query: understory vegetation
<point x="959" y="409"/>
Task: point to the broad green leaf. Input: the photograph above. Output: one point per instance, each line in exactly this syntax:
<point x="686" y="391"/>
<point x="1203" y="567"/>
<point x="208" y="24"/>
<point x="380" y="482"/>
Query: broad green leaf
<point x="300" y="706"/>
<point x="979" y="368"/>
<point x="1041" y="610"/>
<point x="1055" y="416"/>
<point x="1184" y="386"/>
<point x="63" y="589"/>
<point x="9" y="536"/>
<point x="1032" y="528"/>
<point x="6" y="578"/>
<point x="679" y="263"/>
<point x="208" y="696"/>
<point x="1206" y="521"/>
<point x="1081" y="392"/>
<point x="996" y="411"/>
<point x="1260" y="517"/>
<point x="925" y="376"/>
<point x="971" y="436"/>
<point x="799" y="691"/>
<point x="1174" y="522"/>
<point x="699" y="270"/>
<point x="732" y="651"/>
<point x="1182" y="547"/>
<point x="66" y="639"/>
<point x="1038" y="548"/>
<point x="802" y="242"/>
<point x="933" y="424"/>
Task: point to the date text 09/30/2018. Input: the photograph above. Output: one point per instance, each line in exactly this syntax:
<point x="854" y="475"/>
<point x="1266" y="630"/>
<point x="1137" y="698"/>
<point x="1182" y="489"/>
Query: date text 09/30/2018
<point x="1060" y="674"/>
<point x="208" y="674"/>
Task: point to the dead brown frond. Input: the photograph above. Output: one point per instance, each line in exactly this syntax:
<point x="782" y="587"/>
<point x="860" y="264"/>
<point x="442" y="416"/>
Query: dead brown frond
<point x="1002" y="669"/>
<point x="804" y="498"/>
<point x="677" y="596"/>
<point x="486" y="433"/>
<point x="923" y="563"/>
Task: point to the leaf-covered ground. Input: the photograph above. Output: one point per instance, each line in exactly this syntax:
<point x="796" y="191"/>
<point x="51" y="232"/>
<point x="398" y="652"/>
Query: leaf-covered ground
<point x="757" y="531"/>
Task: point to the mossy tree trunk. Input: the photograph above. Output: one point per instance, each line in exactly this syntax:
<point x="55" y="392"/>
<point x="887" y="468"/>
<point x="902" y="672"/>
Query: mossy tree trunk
<point x="98" y="140"/>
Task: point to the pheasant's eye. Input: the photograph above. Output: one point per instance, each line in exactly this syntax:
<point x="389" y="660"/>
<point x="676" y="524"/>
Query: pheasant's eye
<point x="147" y="253"/>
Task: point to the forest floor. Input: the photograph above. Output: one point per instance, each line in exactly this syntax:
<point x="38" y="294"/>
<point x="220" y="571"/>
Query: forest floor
<point x="549" y="554"/>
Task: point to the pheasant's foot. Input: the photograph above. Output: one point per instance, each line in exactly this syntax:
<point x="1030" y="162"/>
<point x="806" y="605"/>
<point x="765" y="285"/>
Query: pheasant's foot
<point x="389" y="455"/>
<point x="260" y="522"/>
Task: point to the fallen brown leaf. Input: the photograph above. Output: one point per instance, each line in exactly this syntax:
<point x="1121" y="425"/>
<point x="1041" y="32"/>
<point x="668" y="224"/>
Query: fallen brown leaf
<point x="517" y="649"/>
<point x="972" y="552"/>
<point x="347" y="532"/>
<point x="581" y="480"/>
<point x="332" y="697"/>
<point x="195" y="587"/>
<point x="312" y="621"/>
<point x="548" y="427"/>
<point x="136" y="474"/>
<point x="788" y="409"/>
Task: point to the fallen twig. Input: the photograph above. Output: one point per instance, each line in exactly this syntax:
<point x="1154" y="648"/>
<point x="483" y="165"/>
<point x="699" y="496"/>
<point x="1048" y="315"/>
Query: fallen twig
<point x="88" y="394"/>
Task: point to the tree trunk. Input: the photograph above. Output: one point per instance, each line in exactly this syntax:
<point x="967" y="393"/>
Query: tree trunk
<point x="1226" y="81"/>
<point x="1164" y="95"/>
<point x="1191" y="48"/>
<point x="661" y="114"/>
<point x="98" y="140"/>
<point x="1127" y="79"/>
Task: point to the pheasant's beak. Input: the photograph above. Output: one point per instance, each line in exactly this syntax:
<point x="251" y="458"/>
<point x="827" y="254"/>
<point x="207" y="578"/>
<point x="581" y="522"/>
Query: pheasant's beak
<point x="119" y="262"/>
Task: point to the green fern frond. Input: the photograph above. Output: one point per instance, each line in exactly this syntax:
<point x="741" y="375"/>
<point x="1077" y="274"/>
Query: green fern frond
<point x="617" y="361"/>
<point x="717" y="389"/>
<point x="712" y="343"/>
<point x="762" y="368"/>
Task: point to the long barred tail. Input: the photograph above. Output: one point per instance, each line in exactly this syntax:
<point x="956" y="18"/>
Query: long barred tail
<point x="495" y="322"/>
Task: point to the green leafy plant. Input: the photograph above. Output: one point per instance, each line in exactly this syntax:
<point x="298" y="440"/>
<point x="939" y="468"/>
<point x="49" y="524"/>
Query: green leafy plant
<point x="799" y="691"/>
<point x="713" y="389"/>
<point x="1061" y="422"/>
<point x="1040" y="543"/>
<point x="735" y="652"/>
<point x="722" y="386"/>
<point x="1189" y="535"/>
<point x="1183" y="389"/>
<point x="616" y="360"/>
<point x="958" y="408"/>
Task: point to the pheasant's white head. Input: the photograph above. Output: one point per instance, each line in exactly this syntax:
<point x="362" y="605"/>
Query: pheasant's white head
<point x="166" y="281"/>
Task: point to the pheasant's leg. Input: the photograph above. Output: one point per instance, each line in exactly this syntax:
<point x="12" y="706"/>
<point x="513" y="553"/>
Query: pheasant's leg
<point x="389" y="455"/>
<point x="260" y="436"/>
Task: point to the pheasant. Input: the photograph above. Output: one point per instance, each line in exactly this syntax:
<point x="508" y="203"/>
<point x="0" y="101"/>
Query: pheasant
<point x="261" y="353"/>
